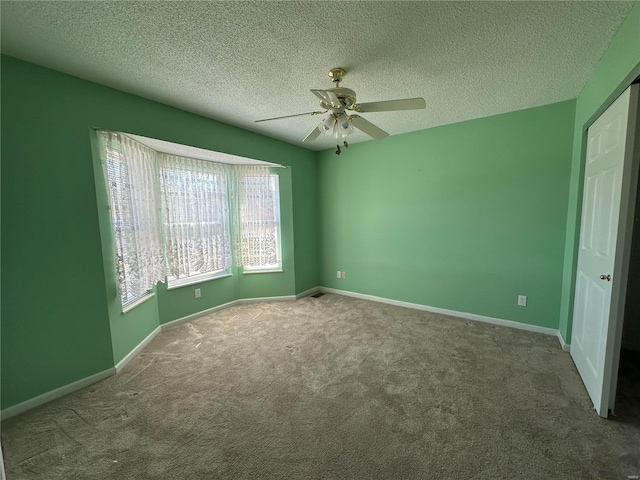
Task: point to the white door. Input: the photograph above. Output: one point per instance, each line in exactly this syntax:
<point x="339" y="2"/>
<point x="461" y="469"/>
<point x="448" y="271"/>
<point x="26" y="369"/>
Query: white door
<point x="609" y="181"/>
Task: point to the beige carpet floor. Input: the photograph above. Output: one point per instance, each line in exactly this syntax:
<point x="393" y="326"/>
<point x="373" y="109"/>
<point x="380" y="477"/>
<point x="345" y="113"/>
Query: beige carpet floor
<point x="329" y="388"/>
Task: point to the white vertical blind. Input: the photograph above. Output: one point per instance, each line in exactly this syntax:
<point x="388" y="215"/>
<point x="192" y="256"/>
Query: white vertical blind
<point x="132" y="183"/>
<point x="259" y="207"/>
<point x="195" y="207"/>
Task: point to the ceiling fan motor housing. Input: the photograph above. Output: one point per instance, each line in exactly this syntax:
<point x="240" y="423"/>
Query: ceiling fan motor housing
<point x="346" y="96"/>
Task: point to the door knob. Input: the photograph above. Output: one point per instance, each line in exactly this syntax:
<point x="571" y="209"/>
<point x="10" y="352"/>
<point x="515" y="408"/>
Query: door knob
<point x="605" y="277"/>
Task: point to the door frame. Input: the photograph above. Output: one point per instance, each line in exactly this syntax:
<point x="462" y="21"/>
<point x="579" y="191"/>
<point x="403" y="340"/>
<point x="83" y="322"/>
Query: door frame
<point x="631" y="167"/>
<point x="623" y="251"/>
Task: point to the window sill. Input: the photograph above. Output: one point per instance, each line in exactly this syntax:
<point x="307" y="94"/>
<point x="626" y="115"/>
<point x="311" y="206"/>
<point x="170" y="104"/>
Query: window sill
<point x="130" y="306"/>
<point x="195" y="280"/>
<point x="245" y="272"/>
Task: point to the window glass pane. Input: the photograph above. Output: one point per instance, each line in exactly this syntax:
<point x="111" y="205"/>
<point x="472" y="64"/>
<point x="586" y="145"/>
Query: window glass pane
<point x="124" y="232"/>
<point x="260" y="221"/>
<point x="195" y="216"/>
<point x="132" y="185"/>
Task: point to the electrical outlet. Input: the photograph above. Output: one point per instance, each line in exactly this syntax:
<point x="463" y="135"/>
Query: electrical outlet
<point x="339" y="274"/>
<point x="344" y="275"/>
<point x="522" y="300"/>
<point x="198" y="293"/>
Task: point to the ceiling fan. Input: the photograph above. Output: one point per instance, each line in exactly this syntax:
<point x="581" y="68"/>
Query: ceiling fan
<point x="338" y="101"/>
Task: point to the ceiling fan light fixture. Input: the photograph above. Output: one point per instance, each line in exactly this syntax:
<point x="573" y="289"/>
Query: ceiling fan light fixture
<point x="327" y="125"/>
<point x="344" y="125"/>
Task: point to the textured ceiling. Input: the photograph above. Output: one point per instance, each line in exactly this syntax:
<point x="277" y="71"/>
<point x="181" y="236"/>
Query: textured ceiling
<point x="238" y="62"/>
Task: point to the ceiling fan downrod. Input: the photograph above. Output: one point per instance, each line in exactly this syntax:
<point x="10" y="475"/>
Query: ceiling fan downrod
<point x="336" y="75"/>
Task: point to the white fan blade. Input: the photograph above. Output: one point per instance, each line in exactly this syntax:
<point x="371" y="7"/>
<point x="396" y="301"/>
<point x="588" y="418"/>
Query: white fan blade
<point x="288" y="116"/>
<point x="320" y="94"/>
<point x="367" y="127"/>
<point x="391" y="105"/>
<point x="328" y="97"/>
<point x="312" y="136"/>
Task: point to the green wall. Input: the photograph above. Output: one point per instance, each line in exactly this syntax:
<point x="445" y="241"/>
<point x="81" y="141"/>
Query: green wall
<point x="617" y="68"/>
<point x="55" y="324"/>
<point x="463" y="217"/>
<point x="60" y="315"/>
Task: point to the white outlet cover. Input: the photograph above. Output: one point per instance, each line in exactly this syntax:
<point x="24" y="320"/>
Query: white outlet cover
<point x="339" y="274"/>
<point x="198" y="293"/>
<point x="522" y="300"/>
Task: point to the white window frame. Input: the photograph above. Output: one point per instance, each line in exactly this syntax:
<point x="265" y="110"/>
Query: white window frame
<point x="114" y="157"/>
<point x="173" y="282"/>
<point x="275" y="268"/>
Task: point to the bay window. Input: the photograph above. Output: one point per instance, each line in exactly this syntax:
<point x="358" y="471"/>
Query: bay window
<point x="187" y="219"/>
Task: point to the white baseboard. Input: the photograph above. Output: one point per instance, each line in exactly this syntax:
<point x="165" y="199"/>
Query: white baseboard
<point x="443" y="311"/>
<point x="306" y="293"/>
<point x="57" y="393"/>
<point x="193" y="316"/>
<point x="284" y="298"/>
<point x="565" y="346"/>
<point x="240" y="301"/>
<point x="133" y="353"/>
